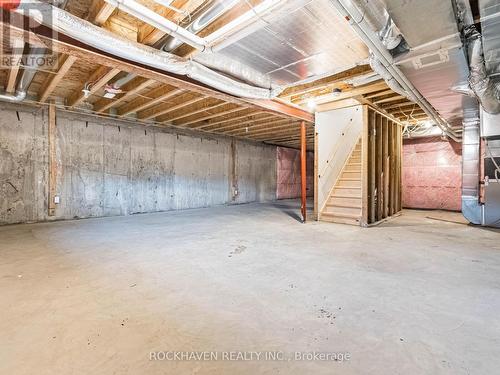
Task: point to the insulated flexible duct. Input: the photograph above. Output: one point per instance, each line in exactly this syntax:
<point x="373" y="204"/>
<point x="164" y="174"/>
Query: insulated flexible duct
<point x="486" y="90"/>
<point x="94" y="36"/>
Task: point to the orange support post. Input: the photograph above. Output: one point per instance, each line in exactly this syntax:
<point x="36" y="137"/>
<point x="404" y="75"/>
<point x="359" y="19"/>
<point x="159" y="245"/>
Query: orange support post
<point x="303" y="172"/>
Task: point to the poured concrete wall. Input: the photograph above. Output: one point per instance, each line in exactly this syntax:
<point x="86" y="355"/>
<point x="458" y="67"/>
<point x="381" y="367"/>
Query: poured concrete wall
<point x="109" y="167"/>
<point x="432" y="174"/>
<point x="288" y="170"/>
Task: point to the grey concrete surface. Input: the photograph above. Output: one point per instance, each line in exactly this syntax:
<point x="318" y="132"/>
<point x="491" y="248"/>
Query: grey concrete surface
<point x="412" y="296"/>
<point x="110" y="167"/>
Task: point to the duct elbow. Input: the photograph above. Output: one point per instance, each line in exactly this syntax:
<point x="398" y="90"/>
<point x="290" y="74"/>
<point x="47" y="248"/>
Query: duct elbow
<point x="472" y="210"/>
<point x="486" y="90"/>
<point x="18" y="97"/>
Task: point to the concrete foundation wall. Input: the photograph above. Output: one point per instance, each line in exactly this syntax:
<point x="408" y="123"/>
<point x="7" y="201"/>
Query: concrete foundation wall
<point x="289" y="179"/>
<point x="108" y="167"/>
<point x="432" y="174"/>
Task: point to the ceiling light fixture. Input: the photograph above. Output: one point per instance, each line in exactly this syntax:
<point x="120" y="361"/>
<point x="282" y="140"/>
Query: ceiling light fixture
<point x="311" y="104"/>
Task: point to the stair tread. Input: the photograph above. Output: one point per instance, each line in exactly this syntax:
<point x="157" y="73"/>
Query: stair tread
<point x="347" y="196"/>
<point x="343" y="215"/>
<point x="344" y="205"/>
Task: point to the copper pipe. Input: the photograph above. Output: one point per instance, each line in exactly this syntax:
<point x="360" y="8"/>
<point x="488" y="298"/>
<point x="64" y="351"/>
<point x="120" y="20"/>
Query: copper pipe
<point x="303" y="171"/>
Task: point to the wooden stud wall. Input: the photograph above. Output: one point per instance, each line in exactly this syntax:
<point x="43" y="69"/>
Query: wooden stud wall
<point x="382" y="169"/>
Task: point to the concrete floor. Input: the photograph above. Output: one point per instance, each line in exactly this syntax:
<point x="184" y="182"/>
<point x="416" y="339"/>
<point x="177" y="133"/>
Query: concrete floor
<point x="413" y="296"/>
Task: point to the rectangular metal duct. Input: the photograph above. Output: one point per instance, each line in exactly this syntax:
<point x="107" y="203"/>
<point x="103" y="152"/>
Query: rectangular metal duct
<point x="437" y="61"/>
<point x="490" y="26"/>
<point x="490" y="125"/>
<point x="430" y="19"/>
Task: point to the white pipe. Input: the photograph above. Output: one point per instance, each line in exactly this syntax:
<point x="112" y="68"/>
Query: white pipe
<point x="221" y="38"/>
<point x="218" y="62"/>
<point x="168" y="4"/>
<point x="372" y="40"/>
<point x="161" y="23"/>
<point x="104" y="40"/>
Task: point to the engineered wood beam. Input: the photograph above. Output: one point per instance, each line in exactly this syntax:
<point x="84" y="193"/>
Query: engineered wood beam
<point x="351" y="93"/>
<point x="354" y="72"/>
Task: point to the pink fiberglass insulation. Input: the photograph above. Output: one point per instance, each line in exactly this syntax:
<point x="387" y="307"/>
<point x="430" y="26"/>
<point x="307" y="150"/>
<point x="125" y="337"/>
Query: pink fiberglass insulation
<point x="288" y="173"/>
<point x="432" y="174"/>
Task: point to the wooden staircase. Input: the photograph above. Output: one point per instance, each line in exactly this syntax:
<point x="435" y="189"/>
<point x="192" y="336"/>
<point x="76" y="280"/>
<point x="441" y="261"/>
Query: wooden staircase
<point x="344" y="203"/>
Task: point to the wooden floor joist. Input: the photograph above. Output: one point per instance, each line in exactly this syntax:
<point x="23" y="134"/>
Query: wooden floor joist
<point x="65" y="63"/>
<point x="151" y="98"/>
<point x="96" y="81"/>
<point x="130" y="90"/>
<point x="157" y="112"/>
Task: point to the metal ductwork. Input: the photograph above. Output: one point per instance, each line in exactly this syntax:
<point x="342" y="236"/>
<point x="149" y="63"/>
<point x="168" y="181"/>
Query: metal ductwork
<point x="485" y="213"/>
<point x="29" y="71"/>
<point x="486" y="90"/>
<point x="214" y="42"/>
<point x="152" y="18"/>
<point x="65" y="23"/>
<point x="234" y="68"/>
<point x="472" y="209"/>
<point x="199" y="21"/>
<point x="490" y="24"/>
<point x="357" y="14"/>
<point x="437" y="61"/>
